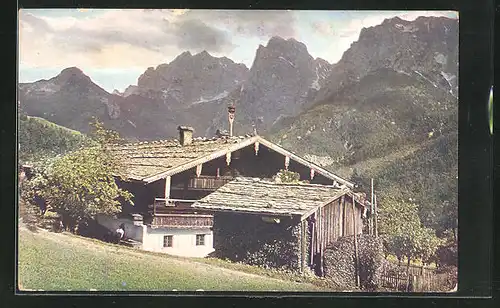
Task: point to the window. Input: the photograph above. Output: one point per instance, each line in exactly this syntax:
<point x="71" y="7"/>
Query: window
<point x="168" y="240"/>
<point x="200" y="239"/>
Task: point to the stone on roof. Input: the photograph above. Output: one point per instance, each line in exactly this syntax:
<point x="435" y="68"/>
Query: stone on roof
<point x="142" y="160"/>
<point x="266" y="196"/>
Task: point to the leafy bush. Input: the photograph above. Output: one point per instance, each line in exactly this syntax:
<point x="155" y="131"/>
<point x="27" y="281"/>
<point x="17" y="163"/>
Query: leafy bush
<point x="450" y="275"/>
<point x="340" y="262"/>
<point x="447" y="255"/>
<point x="247" y="239"/>
<point x="286" y="176"/>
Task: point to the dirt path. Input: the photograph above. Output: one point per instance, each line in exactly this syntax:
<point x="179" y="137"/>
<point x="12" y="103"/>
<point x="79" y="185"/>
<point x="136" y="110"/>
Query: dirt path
<point x="68" y="239"/>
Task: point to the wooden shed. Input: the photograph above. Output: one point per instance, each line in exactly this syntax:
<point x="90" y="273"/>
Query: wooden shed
<point x="251" y="213"/>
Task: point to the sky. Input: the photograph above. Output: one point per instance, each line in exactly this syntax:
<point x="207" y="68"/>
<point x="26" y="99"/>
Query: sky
<point x="115" y="46"/>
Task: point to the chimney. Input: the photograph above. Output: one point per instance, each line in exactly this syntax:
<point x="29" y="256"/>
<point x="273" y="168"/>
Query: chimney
<point x="137" y="219"/>
<point x="254" y="129"/>
<point x="185" y="135"/>
<point x="231" y="110"/>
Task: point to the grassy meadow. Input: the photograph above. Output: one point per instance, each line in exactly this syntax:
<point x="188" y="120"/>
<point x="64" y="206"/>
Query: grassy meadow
<point x="61" y="262"/>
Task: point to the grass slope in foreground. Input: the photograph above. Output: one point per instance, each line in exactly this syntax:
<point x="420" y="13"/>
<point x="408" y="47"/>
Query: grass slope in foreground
<point x="80" y="264"/>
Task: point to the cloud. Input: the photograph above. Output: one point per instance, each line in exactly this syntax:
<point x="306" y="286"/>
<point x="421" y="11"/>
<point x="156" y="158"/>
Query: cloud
<point x="323" y="27"/>
<point x="262" y="24"/>
<point x="197" y="35"/>
<point x="109" y="39"/>
<point x="30" y="20"/>
<point x="164" y="33"/>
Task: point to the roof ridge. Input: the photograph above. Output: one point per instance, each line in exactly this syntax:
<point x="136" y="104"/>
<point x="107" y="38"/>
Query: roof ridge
<point x="175" y="140"/>
<point x="268" y="181"/>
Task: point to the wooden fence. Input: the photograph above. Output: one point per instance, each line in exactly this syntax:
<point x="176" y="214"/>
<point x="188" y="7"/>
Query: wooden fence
<point x="418" y="279"/>
<point x="396" y="281"/>
<point x="431" y="283"/>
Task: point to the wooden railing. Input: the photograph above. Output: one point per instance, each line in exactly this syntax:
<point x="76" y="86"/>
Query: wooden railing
<point x="162" y="204"/>
<point x="183" y="220"/>
<point x="205" y="182"/>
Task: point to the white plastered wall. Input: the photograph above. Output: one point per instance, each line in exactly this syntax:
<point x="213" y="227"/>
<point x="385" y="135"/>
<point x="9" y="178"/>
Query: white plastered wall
<point x="183" y="243"/>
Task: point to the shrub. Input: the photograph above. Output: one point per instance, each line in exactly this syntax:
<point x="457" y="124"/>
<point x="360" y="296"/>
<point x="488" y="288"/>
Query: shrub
<point x="340" y="264"/>
<point x="247" y="239"/>
<point x="447" y="255"/>
<point x="286" y="176"/>
<point x="449" y="277"/>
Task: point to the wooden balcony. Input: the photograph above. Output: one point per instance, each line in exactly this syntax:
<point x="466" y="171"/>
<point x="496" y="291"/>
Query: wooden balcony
<point x="183" y="221"/>
<point x="205" y="182"/>
<point x="162" y="205"/>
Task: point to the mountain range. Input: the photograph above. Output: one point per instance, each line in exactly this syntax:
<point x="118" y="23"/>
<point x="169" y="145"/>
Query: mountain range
<point x="379" y="112"/>
<point x="283" y="80"/>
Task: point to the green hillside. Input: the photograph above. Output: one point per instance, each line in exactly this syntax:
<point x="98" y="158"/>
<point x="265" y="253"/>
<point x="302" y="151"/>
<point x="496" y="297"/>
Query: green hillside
<point x="81" y="264"/>
<point x="397" y="128"/>
<point x="38" y="138"/>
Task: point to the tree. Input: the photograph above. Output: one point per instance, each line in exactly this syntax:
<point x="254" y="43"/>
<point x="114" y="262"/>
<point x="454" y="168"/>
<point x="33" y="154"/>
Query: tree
<point x="81" y="184"/>
<point x="426" y="245"/>
<point x="403" y="233"/>
<point x="102" y="135"/>
<point x="449" y="218"/>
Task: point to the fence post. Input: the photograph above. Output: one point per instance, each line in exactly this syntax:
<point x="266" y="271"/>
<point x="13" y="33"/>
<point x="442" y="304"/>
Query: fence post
<point x="415" y="284"/>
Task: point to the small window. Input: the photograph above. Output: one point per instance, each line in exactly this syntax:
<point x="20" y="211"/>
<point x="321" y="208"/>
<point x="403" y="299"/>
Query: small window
<point x="200" y="239"/>
<point x="168" y="240"/>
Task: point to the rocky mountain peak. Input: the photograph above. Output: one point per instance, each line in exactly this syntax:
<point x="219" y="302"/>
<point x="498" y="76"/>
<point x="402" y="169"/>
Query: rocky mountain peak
<point x="71" y="75"/>
<point x="185" y="54"/>
<point x="203" y="54"/>
<point x="191" y="78"/>
<point x="71" y="71"/>
<point x="290" y="45"/>
<point x="427" y="47"/>
<point x="278" y="48"/>
<point x="394" y="20"/>
<point x="281" y="78"/>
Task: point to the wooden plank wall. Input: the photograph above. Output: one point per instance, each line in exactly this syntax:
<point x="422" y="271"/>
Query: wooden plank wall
<point x="348" y="219"/>
<point x="338" y="218"/>
<point x="331" y="222"/>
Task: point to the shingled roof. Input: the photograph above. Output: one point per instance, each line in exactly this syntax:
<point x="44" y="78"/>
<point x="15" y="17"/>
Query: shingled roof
<point x="144" y="160"/>
<point x="266" y="196"/>
<point x="151" y="161"/>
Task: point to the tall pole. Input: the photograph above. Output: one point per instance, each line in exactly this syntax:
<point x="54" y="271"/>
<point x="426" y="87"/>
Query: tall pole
<point x="376" y="215"/>
<point x="231" y="110"/>
<point x="167" y="189"/>
<point x="371" y="208"/>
